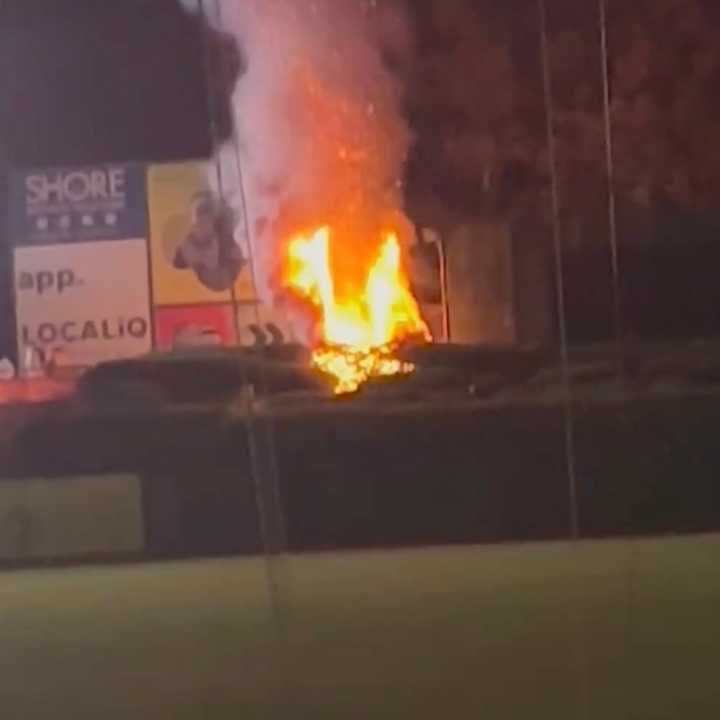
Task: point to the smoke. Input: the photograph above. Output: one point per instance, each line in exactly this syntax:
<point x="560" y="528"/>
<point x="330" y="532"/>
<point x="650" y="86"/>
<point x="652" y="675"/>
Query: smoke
<point x="320" y="126"/>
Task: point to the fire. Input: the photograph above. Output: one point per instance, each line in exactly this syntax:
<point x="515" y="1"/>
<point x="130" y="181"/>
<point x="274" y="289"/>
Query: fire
<point x="359" y="325"/>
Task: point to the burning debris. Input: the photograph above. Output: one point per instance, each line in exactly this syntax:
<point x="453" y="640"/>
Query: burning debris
<point x="352" y="367"/>
<point x="358" y="326"/>
<point x="323" y="144"/>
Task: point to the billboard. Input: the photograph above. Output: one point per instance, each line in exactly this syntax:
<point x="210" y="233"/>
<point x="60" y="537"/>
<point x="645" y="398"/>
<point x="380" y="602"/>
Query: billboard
<point x="194" y="325"/>
<point x="195" y="255"/>
<point x="81" y="262"/>
<point x="260" y="323"/>
<point x="90" y="300"/>
<point x="68" y="205"/>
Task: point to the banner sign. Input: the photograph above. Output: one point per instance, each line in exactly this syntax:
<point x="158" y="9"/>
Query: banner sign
<point x="196" y="256"/>
<point x="81" y="270"/>
<point x="66" y="205"/>
<point x="203" y="325"/>
<point x="89" y="300"/>
<point x="192" y="326"/>
<point x="260" y="324"/>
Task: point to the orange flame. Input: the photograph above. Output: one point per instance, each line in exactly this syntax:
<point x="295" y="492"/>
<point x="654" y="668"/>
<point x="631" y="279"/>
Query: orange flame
<point x="360" y="328"/>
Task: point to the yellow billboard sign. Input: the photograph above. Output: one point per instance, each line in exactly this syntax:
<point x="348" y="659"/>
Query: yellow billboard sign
<point x="195" y="256"/>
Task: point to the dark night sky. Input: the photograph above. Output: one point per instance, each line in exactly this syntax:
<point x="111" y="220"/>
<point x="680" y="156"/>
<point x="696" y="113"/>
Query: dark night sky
<point x="90" y="80"/>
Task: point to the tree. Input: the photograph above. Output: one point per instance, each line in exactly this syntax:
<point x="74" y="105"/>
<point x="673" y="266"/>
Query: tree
<point x="474" y="103"/>
<point x="479" y="112"/>
<point x="665" y="110"/>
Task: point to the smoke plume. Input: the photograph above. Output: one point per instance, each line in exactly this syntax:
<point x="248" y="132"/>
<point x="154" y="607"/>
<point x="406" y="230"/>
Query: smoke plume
<point x="319" y="119"/>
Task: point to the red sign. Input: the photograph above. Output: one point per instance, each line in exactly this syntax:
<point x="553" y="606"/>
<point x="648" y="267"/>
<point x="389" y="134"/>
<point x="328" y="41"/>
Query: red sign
<point x="199" y="325"/>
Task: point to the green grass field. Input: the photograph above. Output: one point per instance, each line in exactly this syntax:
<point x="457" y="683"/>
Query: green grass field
<point x="595" y="630"/>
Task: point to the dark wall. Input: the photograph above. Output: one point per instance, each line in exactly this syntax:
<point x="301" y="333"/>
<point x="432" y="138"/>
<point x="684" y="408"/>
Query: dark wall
<point x="362" y="479"/>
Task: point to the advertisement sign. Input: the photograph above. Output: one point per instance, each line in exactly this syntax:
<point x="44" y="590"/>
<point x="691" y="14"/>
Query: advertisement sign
<point x="199" y="325"/>
<point x="90" y="300"/>
<point x="261" y="324"/>
<point x="204" y="325"/>
<point x="67" y="205"/>
<point x="81" y="263"/>
<point x="196" y="258"/>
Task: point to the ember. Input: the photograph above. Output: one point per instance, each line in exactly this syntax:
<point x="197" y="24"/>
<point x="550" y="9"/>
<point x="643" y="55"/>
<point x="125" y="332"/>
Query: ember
<point x="359" y="326"/>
